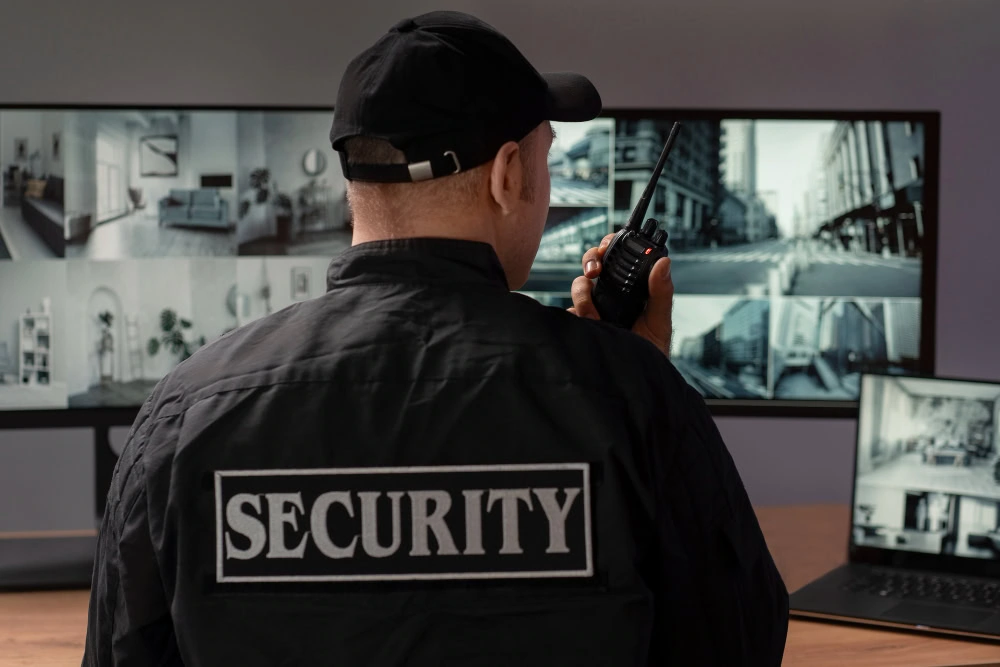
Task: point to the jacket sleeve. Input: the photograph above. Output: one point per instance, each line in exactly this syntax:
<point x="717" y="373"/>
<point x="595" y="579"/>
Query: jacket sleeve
<point x="721" y="598"/>
<point x="129" y="617"/>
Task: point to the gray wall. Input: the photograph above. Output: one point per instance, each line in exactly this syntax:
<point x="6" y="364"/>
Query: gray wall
<point x="890" y="54"/>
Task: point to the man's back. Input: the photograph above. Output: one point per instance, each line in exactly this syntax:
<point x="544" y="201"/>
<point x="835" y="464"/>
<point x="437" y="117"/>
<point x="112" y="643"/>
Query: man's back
<point x="418" y="357"/>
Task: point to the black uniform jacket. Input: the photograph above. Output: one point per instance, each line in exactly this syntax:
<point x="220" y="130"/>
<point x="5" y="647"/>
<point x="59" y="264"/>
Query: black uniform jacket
<point x="421" y="467"/>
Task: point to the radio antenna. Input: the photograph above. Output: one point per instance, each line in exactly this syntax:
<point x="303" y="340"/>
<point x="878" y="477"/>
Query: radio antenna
<point x="635" y="220"/>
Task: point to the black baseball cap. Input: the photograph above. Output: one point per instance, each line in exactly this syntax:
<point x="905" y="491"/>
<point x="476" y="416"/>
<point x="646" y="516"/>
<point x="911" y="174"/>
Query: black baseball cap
<point x="448" y="89"/>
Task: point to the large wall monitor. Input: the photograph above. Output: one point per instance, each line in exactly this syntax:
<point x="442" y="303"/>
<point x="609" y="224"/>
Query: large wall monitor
<point x="803" y="244"/>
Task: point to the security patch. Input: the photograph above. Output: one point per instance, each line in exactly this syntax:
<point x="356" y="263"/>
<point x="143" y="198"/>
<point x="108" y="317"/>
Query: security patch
<point x="397" y="524"/>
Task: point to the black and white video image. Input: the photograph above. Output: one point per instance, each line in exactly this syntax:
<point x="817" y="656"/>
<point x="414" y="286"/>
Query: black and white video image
<point x="150" y="183"/>
<point x="928" y="470"/>
<point x="32" y="159"/>
<point x="580" y="172"/>
<point x="793" y="207"/>
<point x="569" y="232"/>
<point x="580" y="163"/>
<point x="135" y="320"/>
<point x="821" y="346"/>
<point x="265" y="285"/>
<point x="292" y="193"/>
<point x="33" y="335"/>
<point x="562" y="300"/>
<point x="720" y="345"/>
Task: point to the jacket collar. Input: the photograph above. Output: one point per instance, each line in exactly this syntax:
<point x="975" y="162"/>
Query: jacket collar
<point x="422" y="260"/>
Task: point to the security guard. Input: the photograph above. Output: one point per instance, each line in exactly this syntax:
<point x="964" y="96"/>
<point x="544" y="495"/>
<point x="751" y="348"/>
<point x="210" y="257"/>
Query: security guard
<point x="421" y="467"/>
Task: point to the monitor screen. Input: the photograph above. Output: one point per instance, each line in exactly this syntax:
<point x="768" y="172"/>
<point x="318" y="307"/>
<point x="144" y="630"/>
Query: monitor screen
<point x="927" y="472"/>
<point x="802" y="244"/>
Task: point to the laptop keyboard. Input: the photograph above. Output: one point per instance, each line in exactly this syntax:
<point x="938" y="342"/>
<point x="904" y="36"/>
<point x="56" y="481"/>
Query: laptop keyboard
<point x="927" y="587"/>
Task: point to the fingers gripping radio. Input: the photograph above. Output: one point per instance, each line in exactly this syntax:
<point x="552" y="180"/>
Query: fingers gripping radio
<point x="622" y="289"/>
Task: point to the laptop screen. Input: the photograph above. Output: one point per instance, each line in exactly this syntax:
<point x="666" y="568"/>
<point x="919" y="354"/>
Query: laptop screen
<point x="927" y="476"/>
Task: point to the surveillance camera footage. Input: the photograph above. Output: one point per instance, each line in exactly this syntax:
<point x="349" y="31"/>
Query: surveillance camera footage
<point x="928" y="469"/>
<point x="817" y="227"/>
<point x="720" y="345"/>
<point x="131" y="237"/>
<point x="783" y="207"/>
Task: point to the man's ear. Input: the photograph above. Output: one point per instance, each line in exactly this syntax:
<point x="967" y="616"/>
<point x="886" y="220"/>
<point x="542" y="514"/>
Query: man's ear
<point x="506" y="177"/>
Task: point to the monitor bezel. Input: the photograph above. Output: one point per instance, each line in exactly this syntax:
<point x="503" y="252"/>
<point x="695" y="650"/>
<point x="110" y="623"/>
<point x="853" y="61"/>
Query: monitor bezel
<point x="764" y="408"/>
<point x="912" y="560"/>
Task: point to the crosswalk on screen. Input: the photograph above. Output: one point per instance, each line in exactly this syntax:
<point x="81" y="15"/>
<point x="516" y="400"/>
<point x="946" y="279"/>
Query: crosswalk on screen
<point x="802" y="247"/>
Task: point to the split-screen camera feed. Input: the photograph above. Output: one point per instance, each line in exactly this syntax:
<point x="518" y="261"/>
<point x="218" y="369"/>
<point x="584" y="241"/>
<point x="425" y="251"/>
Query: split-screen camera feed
<point x="928" y="467"/>
<point x="796" y="245"/>
<point x="129" y="238"/>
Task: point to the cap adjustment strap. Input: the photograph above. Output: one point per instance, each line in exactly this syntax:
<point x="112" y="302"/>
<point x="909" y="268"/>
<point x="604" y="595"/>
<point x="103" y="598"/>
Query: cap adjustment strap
<point x="423" y="171"/>
<point x="444" y="165"/>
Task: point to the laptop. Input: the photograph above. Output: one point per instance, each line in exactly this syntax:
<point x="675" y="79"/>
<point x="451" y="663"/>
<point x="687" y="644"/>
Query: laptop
<point x="924" y="545"/>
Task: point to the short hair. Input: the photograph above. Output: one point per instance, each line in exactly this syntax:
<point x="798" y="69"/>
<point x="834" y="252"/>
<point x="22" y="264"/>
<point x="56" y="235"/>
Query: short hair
<point x="386" y="200"/>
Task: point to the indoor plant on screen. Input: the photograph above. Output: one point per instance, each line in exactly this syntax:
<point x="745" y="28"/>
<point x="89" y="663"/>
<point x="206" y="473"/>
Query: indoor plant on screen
<point x="175" y="336"/>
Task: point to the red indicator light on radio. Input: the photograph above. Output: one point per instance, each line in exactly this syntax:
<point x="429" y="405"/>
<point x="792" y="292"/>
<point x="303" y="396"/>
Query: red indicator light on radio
<point x="649" y="250"/>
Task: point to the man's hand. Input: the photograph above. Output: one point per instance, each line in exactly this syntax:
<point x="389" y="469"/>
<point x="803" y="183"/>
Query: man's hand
<point x="655" y="324"/>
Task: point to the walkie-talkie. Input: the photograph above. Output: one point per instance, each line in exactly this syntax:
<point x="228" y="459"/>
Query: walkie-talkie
<point x="622" y="289"/>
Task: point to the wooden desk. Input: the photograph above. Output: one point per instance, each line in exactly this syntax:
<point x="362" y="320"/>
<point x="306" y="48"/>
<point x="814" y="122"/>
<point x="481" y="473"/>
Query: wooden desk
<point x="42" y="629"/>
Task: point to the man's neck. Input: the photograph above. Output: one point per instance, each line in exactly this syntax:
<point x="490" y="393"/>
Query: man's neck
<point x="472" y="228"/>
<point x="465" y="230"/>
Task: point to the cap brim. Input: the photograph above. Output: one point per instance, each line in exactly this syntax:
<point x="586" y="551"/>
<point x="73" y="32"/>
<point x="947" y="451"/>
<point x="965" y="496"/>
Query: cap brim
<point x="572" y="98"/>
